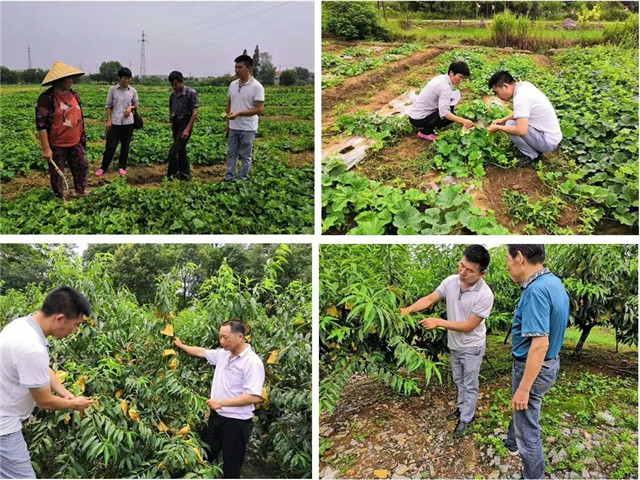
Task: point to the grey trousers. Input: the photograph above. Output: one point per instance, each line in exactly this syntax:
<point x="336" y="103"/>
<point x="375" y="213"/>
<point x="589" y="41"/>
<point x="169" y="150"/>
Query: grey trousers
<point x="239" y="143"/>
<point x="532" y="143"/>
<point x="465" y="368"/>
<point x="14" y="457"/>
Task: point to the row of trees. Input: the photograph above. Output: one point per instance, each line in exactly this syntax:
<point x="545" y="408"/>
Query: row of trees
<point x="362" y="288"/>
<point x="366" y="20"/>
<point x="546" y="10"/>
<point x="134" y="266"/>
<point x="150" y="396"/>
<point x="263" y="69"/>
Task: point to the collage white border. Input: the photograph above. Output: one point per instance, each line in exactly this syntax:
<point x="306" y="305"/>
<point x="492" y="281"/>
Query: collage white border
<point x="316" y="239"/>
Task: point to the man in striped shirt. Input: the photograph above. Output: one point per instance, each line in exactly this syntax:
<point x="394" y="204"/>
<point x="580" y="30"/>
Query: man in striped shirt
<point x="434" y="106"/>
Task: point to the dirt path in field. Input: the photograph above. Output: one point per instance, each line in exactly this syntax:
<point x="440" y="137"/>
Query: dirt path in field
<point x="373" y="90"/>
<point x="137" y="175"/>
<point x="373" y="429"/>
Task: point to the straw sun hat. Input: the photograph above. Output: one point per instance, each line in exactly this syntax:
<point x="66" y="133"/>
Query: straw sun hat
<point x="61" y="70"/>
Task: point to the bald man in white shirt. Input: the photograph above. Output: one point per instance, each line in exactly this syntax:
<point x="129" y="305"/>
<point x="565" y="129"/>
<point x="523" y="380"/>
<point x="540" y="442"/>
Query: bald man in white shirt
<point x="236" y="388"/>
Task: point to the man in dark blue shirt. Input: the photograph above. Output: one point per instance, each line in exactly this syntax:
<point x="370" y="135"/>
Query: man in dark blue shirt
<point x="539" y="325"/>
<point x="183" y="111"/>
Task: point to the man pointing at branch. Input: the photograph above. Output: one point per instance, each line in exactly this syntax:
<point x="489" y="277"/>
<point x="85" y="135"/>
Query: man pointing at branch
<point x="236" y="388"/>
<point x="469" y="301"/>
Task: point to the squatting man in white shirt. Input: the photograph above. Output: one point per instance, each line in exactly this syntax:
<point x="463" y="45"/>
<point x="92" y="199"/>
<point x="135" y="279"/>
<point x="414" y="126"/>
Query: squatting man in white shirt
<point x="533" y="125"/>
<point x="236" y="388"/>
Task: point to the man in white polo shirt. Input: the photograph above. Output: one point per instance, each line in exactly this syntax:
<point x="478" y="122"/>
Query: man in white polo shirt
<point x="433" y="108"/>
<point x="245" y="103"/>
<point x="469" y="302"/>
<point x="533" y="125"/>
<point x="236" y="388"/>
<point x="25" y="377"/>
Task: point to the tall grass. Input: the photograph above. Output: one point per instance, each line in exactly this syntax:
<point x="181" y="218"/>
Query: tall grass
<point x="622" y="33"/>
<point x="509" y="30"/>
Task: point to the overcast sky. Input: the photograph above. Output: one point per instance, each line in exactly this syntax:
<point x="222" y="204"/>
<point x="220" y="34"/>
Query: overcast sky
<point x="196" y="38"/>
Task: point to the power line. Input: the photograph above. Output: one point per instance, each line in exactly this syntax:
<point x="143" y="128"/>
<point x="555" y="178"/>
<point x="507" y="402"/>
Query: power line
<point x="233" y="21"/>
<point x="188" y="27"/>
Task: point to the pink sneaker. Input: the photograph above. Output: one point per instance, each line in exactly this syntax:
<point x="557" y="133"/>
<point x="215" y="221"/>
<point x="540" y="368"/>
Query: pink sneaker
<point x="122" y="171"/>
<point x="99" y="173"/>
<point x="431" y="137"/>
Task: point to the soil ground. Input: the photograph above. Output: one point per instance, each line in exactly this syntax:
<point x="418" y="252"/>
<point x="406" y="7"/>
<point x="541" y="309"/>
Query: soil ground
<point x="138" y="175"/>
<point x="372" y="429"/>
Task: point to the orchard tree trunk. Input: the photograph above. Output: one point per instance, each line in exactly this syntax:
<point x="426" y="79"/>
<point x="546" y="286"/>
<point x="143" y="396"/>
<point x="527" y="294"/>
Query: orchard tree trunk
<point x="583" y="337"/>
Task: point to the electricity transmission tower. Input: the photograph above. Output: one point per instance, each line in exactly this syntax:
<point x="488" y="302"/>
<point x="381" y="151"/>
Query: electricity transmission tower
<point x="143" y="67"/>
<point x="29" y="54"/>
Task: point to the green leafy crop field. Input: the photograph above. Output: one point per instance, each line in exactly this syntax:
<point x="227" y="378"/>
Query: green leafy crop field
<point x="588" y="186"/>
<point x="278" y="198"/>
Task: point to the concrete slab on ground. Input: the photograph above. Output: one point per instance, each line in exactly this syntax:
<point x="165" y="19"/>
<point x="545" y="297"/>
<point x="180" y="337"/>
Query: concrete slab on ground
<point x="354" y="149"/>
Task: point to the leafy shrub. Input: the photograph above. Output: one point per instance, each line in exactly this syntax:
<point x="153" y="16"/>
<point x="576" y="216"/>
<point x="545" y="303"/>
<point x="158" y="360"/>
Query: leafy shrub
<point x="543" y="213"/>
<point x="361" y="328"/>
<point x="352" y="21"/>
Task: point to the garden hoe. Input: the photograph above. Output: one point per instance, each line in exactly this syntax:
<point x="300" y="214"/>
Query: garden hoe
<point x="56" y="168"/>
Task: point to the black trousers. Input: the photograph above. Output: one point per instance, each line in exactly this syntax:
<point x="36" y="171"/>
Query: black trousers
<point x="118" y="134"/>
<point x="231" y="436"/>
<point x="428" y="124"/>
<point x="178" y="161"/>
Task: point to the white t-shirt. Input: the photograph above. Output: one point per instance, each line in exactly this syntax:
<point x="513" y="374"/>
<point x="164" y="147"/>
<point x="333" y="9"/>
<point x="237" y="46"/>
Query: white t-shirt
<point x="477" y="300"/>
<point x="531" y="103"/>
<point x="244" y="97"/>
<point x="24" y="364"/>
<point x="243" y="374"/>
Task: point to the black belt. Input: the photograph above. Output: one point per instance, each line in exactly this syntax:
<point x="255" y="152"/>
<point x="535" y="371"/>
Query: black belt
<point x="525" y="359"/>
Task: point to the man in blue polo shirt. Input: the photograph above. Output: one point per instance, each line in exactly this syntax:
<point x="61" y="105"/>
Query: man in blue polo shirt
<point x="539" y="325"/>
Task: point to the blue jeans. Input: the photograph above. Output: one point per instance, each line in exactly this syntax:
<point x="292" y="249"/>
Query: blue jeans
<point x="239" y="143"/>
<point x="14" y="457"/>
<point x="465" y="369"/>
<point x="524" y="428"/>
<point x="532" y="143"/>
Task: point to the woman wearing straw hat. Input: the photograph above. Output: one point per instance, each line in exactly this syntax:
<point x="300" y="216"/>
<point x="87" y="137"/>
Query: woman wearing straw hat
<point x="60" y="126"/>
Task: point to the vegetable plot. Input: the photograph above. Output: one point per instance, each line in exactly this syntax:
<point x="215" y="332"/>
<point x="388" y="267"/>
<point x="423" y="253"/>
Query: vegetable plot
<point x="590" y="185"/>
<point x="278" y="198"/>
